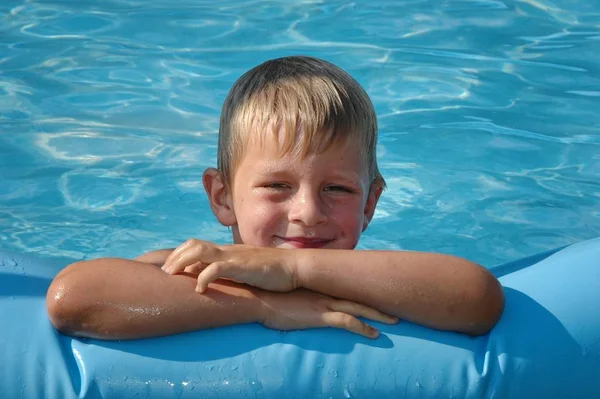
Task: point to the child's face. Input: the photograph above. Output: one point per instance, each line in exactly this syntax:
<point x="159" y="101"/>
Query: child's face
<point x="323" y="201"/>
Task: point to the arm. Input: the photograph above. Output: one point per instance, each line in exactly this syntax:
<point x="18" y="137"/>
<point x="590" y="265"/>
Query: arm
<point x="156" y="258"/>
<point x="439" y="291"/>
<point x="124" y="299"/>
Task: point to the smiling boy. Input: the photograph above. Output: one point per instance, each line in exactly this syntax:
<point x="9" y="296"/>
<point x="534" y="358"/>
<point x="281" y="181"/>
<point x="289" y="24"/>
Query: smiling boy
<point x="297" y="182"/>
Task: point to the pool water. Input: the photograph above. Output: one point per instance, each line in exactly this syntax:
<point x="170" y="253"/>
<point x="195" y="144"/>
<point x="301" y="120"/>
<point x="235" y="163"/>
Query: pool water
<point x="488" y="110"/>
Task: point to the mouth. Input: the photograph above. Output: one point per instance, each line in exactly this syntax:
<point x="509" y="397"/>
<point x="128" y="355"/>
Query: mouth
<point x="305" y="242"/>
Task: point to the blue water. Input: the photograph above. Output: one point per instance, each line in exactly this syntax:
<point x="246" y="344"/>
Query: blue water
<point x="489" y="117"/>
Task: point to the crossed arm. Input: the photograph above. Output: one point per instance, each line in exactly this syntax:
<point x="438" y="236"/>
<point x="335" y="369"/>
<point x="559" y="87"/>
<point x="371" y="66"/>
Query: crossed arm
<point x="282" y="289"/>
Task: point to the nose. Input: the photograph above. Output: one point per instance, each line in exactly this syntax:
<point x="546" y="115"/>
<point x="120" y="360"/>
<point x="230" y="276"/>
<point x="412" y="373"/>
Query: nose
<point x="307" y="207"/>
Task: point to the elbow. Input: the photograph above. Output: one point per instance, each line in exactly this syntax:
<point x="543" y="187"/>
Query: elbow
<point x="66" y="307"/>
<point x="487" y="299"/>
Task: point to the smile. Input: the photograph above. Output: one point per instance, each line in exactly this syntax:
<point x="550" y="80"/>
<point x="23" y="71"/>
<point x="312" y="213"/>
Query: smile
<point x="306" y="242"/>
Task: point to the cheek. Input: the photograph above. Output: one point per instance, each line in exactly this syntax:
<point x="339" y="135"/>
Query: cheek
<point x="349" y="225"/>
<point x="266" y="215"/>
<point x="259" y="218"/>
<point x="349" y="217"/>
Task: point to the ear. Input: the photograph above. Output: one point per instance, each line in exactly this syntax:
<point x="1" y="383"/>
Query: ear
<point x="372" y="200"/>
<point x="219" y="196"/>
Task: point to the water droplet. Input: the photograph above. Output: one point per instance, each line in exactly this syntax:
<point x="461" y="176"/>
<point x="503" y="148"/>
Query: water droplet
<point x="418" y="384"/>
<point x="233" y="368"/>
<point x="13" y="263"/>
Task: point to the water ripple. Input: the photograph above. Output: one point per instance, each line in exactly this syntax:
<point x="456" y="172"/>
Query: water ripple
<point x="503" y="130"/>
<point x="487" y="109"/>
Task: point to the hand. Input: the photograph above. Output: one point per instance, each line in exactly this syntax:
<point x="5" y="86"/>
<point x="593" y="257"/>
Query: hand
<point x="267" y="268"/>
<point x="302" y="309"/>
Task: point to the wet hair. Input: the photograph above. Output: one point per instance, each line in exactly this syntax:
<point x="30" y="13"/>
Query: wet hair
<point x="306" y="103"/>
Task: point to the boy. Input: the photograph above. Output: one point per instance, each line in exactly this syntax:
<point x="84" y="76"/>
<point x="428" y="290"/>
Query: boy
<point x="297" y="182"/>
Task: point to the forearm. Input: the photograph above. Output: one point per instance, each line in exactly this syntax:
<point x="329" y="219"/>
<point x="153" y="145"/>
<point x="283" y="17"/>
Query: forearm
<point x="124" y="299"/>
<point x="435" y="290"/>
<point x="156" y="258"/>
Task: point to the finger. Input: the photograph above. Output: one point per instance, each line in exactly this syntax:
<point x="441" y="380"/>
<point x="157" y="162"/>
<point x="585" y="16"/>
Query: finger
<point x="196" y="268"/>
<point x="173" y="255"/>
<point x="199" y="252"/>
<point x="348" y="322"/>
<point x="211" y="273"/>
<point x="177" y="262"/>
<point x="358" y="309"/>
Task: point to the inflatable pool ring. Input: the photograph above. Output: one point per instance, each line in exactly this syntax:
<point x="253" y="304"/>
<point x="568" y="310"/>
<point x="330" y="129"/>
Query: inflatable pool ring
<point x="546" y="345"/>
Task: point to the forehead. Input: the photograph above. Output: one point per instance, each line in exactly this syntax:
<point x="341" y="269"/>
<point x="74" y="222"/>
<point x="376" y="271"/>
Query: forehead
<point x="267" y="155"/>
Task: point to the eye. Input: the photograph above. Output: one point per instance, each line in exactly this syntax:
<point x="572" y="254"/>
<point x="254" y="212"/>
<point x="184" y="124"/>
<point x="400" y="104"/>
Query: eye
<point x="339" y="189"/>
<point x="276" y="186"/>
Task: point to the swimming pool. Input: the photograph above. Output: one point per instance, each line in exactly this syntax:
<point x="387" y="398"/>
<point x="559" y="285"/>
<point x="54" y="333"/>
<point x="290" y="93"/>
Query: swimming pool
<point x="489" y="122"/>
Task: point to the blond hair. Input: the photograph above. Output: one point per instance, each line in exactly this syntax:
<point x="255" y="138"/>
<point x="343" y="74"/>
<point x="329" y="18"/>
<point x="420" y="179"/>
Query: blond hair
<point x="308" y="103"/>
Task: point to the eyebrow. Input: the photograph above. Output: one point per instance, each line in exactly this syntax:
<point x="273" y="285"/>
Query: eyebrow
<point x="267" y="170"/>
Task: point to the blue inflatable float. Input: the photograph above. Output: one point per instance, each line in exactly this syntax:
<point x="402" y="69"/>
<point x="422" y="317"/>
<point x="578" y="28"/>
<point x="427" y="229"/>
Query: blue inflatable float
<point x="547" y="345"/>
